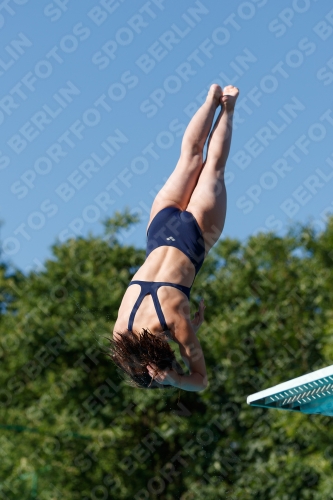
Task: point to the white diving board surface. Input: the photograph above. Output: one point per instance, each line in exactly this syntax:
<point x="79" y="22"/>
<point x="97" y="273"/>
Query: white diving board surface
<point x="311" y="393"/>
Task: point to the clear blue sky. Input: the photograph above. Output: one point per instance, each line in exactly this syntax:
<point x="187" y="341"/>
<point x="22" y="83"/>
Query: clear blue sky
<point x="95" y="97"/>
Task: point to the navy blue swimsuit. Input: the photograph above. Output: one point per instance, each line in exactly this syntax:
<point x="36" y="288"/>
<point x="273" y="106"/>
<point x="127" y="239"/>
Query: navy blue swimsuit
<point x="175" y="228"/>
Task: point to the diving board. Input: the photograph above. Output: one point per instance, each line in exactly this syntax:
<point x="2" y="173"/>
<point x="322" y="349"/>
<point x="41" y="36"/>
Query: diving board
<point x="311" y="393"/>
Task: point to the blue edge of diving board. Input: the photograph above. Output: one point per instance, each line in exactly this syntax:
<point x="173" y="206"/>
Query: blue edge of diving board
<point x="310" y="393"/>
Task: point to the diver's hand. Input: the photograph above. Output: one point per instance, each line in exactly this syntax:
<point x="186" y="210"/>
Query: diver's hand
<point x="164" y="377"/>
<point x="199" y="317"/>
<point x="193" y="382"/>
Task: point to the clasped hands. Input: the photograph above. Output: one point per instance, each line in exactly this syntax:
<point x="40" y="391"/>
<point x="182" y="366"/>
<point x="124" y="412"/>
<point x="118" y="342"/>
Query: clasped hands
<point x="164" y="377"/>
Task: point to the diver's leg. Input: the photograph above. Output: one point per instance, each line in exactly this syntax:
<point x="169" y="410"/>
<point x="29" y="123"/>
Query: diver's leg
<point x="179" y="187"/>
<point x="208" y="202"/>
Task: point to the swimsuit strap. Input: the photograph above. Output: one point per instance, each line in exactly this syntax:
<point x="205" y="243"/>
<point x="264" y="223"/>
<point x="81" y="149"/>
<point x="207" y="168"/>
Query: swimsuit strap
<point x="147" y="288"/>
<point x="135" y="307"/>
<point x="151" y="288"/>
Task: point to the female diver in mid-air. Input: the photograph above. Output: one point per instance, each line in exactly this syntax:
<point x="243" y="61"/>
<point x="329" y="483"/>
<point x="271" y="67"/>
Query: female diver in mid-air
<point x="186" y="220"/>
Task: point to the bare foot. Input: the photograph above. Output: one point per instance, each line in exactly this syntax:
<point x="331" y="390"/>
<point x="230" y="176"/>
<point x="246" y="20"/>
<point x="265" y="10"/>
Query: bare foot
<point x="229" y="97"/>
<point x="215" y="93"/>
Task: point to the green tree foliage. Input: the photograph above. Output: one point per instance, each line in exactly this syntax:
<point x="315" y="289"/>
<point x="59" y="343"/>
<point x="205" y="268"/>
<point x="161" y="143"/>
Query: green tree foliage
<point x="70" y="428"/>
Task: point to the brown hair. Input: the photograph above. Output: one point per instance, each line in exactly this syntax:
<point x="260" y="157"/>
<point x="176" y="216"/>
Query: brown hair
<point x="133" y="352"/>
